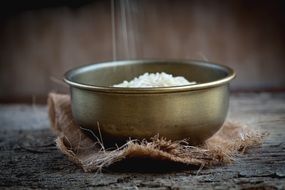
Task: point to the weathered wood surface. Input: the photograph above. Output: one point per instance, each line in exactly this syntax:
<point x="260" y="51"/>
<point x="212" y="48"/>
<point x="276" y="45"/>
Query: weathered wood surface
<point x="29" y="158"/>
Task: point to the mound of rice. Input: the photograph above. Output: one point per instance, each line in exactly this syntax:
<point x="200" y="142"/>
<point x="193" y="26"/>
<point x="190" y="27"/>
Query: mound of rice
<point x="148" y="80"/>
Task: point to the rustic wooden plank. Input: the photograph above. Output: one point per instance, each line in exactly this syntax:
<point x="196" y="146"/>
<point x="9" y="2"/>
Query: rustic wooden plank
<point x="29" y="158"/>
<point x="43" y="44"/>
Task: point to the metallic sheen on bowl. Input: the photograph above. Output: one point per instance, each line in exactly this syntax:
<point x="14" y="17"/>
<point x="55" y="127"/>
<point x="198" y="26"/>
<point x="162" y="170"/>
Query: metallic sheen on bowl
<point x="194" y="112"/>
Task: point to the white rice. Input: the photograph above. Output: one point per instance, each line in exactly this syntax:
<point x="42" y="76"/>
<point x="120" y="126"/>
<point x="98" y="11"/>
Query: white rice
<point x="148" y="80"/>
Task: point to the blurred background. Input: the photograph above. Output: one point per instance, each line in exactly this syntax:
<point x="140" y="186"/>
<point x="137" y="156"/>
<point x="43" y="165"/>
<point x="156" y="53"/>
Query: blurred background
<point x="40" y="40"/>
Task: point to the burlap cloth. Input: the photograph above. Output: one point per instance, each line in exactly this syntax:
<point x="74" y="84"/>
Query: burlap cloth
<point x="231" y="139"/>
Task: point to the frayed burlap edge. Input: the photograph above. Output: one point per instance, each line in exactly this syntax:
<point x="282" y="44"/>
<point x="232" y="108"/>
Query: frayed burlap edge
<point x="231" y="139"/>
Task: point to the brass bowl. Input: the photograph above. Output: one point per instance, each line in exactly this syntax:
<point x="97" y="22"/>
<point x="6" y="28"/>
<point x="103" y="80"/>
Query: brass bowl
<point x="178" y="112"/>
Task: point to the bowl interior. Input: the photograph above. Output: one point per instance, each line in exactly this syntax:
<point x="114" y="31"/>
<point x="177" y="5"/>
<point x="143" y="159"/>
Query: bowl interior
<point x="110" y="73"/>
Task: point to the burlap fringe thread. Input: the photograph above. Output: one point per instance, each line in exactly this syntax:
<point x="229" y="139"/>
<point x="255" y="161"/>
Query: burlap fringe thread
<point x="233" y="138"/>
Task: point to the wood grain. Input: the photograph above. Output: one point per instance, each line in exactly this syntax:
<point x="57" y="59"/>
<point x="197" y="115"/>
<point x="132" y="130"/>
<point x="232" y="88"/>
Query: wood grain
<point x="29" y="158"/>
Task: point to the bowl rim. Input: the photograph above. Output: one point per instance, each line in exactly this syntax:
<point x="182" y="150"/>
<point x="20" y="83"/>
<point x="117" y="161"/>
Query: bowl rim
<point x="110" y="89"/>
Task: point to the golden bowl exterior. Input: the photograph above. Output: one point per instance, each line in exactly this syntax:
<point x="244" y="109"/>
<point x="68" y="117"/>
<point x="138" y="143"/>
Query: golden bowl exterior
<point x="193" y="112"/>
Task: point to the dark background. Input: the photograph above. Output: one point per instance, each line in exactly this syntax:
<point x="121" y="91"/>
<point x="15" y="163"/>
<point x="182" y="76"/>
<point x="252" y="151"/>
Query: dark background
<point x="40" y="40"/>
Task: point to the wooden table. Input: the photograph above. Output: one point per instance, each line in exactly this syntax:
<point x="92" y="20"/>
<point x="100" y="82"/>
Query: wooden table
<point x="29" y="158"/>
